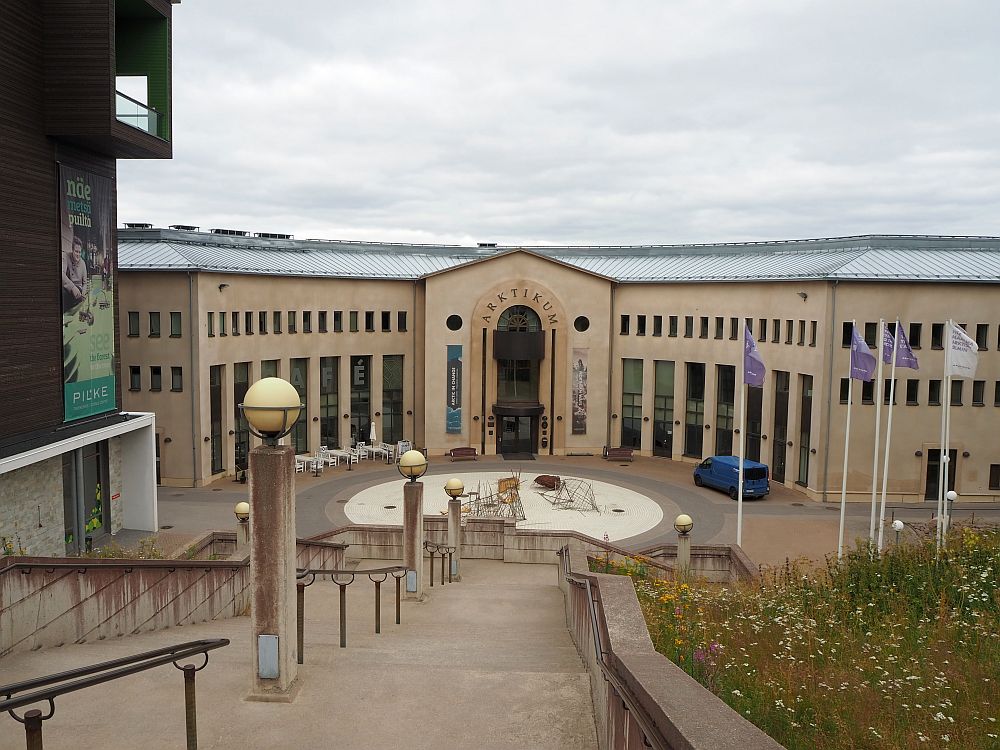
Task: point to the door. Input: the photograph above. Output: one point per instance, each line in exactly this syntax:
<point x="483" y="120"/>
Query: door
<point x="516" y="435"/>
<point x="934" y="466"/>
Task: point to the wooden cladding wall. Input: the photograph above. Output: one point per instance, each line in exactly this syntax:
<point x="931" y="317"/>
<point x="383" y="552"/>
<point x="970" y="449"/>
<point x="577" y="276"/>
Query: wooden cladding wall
<point x="30" y="304"/>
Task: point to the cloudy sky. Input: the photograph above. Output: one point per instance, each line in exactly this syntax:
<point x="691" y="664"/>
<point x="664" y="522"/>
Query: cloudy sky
<point x="580" y="122"/>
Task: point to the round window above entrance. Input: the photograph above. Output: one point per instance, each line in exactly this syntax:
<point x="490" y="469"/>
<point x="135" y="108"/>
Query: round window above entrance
<point x="454" y="322"/>
<point x="582" y="323"/>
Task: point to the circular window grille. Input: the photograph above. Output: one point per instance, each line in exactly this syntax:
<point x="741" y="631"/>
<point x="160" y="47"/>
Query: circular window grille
<point x="454" y="322"/>
<point x="582" y="323"/>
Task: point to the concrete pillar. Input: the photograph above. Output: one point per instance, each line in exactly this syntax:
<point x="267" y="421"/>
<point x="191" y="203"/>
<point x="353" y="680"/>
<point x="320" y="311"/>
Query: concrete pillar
<point x="684" y="555"/>
<point x="455" y="536"/>
<point x="242" y="548"/>
<point x="413" y="539"/>
<point x="272" y="573"/>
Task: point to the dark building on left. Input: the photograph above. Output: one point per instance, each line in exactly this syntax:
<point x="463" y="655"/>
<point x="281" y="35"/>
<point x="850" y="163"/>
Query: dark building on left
<point x="83" y="83"/>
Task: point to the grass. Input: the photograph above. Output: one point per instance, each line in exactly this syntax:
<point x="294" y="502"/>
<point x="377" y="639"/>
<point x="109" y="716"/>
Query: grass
<point x="901" y="651"/>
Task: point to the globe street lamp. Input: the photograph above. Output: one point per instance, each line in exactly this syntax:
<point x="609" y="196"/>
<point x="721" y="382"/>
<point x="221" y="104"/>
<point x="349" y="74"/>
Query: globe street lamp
<point x="683" y="525"/>
<point x="242" y="512"/>
<point x="455" y="489"/>
<point x="271" y="407"/>
<point x="412" y="465"/>
<point x="951" y="496"/>
<point x="897" y="526"/>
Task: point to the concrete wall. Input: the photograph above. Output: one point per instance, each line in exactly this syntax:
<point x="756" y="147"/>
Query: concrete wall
<point x="31" y="508"/>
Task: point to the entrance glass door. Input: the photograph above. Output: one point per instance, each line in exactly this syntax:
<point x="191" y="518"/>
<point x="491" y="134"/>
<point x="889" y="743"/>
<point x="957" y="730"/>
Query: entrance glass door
<point x="934" y="466"/>
<point x="515" y="435"/>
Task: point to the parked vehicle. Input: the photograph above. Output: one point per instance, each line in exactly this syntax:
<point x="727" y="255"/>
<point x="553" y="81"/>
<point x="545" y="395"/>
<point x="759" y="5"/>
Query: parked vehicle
<point x="722" y="473"/>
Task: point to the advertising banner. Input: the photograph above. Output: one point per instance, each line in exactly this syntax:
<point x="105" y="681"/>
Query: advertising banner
<point x="580" y="357"/>
<point x="453" y="412"/>
<point x="87" y="278"/>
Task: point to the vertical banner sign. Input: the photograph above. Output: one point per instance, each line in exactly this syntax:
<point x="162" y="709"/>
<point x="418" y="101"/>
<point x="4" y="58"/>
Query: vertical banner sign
<point x="453" y="413"/>
<point x="580" y="357"/>
<point x="87" y="279"/>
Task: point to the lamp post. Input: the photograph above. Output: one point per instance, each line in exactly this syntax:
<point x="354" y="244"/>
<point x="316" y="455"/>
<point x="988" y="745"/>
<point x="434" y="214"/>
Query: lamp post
<point x="271" y="406"/>
<point x="412" y="465"/>
<point x="455" y="489"/>
<point x="897" y="526"/>
<point x="683" y="525"/>
<point x="951" y="496"/>
<point x="242" y="512"/>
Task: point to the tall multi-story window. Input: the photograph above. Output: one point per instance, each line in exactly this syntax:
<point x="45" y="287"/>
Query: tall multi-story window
<point x="241" y="440"/>
<point x="631" y="403"/>
<point x="694" y="416"/>
<point x="215" y="386"/>
<point x="663" y="409"/>
<point x="755" y="421"/>
<point x="329" y="405"/>
<point x="298" y="371"/>
<point x="805" y="426"/>
<point x="361" y="396"/>
<point x="779" y="447"/>
<point x="725" y="395"/>
<point x="392" y="398"/>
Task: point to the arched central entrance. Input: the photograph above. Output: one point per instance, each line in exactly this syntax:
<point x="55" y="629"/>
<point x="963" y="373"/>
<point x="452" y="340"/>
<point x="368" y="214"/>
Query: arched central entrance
<point x="518" y="348"/>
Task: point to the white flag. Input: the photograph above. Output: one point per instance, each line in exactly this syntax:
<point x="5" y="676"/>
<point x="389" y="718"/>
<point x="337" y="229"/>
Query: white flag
<point x="963" y="356"/>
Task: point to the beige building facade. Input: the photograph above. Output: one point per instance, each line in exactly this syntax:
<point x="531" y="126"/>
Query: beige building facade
<point x="558" y="351"/>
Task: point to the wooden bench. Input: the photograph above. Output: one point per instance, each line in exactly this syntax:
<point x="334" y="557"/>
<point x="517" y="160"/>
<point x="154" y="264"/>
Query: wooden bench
<point x="463" y="454"/>
<point x="618" y="454"/>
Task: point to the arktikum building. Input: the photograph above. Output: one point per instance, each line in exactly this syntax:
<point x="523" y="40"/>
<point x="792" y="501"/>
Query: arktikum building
<point x="73" y="466"/>
<point x="561" y="350"/>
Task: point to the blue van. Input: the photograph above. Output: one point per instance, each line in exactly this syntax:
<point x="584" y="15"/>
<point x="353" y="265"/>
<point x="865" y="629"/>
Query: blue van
<point x="722" y="473"/>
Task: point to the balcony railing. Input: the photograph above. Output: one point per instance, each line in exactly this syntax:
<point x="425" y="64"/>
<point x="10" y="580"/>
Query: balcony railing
<point x="136" y="114"/>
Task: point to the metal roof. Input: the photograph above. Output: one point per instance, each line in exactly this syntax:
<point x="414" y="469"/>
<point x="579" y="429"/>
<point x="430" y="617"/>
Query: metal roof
<point x="870" y="257"/>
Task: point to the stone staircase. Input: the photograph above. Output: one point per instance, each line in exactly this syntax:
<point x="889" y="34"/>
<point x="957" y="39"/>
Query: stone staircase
<point x="484" y="663"/>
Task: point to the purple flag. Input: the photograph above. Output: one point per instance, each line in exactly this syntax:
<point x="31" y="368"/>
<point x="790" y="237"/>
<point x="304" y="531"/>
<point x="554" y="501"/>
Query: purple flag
<point x="863" y="362"/>
<point x="904" y="354"/>
<point x="888" y="342"/>
<point x="753" y="363"/>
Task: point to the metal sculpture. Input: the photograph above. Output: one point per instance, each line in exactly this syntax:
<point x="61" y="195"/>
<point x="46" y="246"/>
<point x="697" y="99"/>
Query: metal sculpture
<point x="572" y="494"/>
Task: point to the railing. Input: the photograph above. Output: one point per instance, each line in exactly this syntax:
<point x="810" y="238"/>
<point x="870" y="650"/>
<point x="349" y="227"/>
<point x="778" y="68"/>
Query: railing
<point x="343" y="579"/>
<point x="442" y="549"/>
<point x="136" y="114"/>
<point x="21" y="694"/>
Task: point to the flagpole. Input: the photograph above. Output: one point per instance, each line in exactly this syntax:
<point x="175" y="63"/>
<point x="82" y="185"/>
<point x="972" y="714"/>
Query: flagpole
<point x="847" y="445"/>
<point x="888" y="435"/>
<point x="739" y="481"/>
<point x="941" y="452"/>
<point x="878" y="426"/>
<point x="946" y="520"/>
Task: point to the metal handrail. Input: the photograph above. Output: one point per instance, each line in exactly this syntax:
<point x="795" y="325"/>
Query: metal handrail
<point x="442" y="549"/>
<point x="646" y="723"/>
<point x="25" y="565"/>
<point x="61" y="683"/>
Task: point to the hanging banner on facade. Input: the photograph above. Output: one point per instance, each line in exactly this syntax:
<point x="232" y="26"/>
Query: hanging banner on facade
<point x="453" y="413"/>
<point x="580" y="357"/>
<point x="87" y="277"/>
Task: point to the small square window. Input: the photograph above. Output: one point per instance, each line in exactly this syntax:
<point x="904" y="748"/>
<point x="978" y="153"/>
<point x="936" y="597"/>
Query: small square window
<point x="915" y="330"/>
<point x="133" y="323"/>
<point x="354" y="321"/>
<point x="134" y="378"/>
<point x="176" y="379"/>
<point x="979" y="393"/>
<point x="307" y="321"/>
<point x="155" y="379"/>
<point x="934" y="393"/>
<point x="175" y="325"/>
<point x="640" y="325"/>
<point x="688" y="326"/>
<point x="672" y="326"/>
<point x="657" y="325"/>
<point x="386" y="321"/>
<point x="937" y="335"/>
<point x="154" y="325"/>
<point x="322" y="321"/>
<point x="703" y="328"/>
<point x="369" y="320"/>
<point x="624" y="327"/>
<point x="912" y="392"/>
<point x="262" y="322"/>
<point x="401" y="321"/>
<point x="292" y="321"/>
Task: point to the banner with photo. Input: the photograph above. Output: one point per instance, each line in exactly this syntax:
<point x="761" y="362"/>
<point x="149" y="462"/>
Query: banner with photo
<point x="87" y="280"/>
<point x="453" y="412"/>
<point x="580" y="362"/>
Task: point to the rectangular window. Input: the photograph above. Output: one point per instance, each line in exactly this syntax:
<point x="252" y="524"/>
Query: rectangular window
<point x="175" y="325"/>
<point x="703" y="328"/>
<point x="623" y="328"/>
<point x="657" y="325"/>
<point x="868" y="392"/>
<point x="401" y="321"/>
<point x="996" y="393"/>
<point x="776" y="330"/>
<point x="298" y="371"/>
<point x="248" y="323"/>
<point x="663" y="409"/>
<point x="154" y="325"/>
<point x="956" y="392"/>
<point x="915" y="331"/>
<point x="155" y="378"/>
<point x="982" y="336"/>
<point x="369" y="321"/>
<point x="276" y="321"/>
<point x="262" y="321"/>
<point x="211" y="324"/>
<point x="354" y="321"/>
<point x="307" y="321"/>
<point x="845" y="334"/>
<point x="871" y="334"/>
<point x="134" y="378"/>
<point x="392" y="398"/>
<point x="269" y="368"/>
<point x="734" y="328"/>
<point x="338" y="321"/>
<point x="912" y="392"/>
<point x="133" y="323"/>
<point x="725" y="399"/>
<point x="720" y="327"/>
<point x="236" y="323"/>
<point x="762" y="329"/>
<point x="223" y="328"/>
<point x="386" y="323"/>
<point x="934" y="393"/>
<point x="694" y="416"/>
<point x="979" y="393"/>
<point x="688" y="326"/>
<point x="640" y="325"/>
<point x="176" y="379"/>
<point x="241" y="436"/>
<point x="889" y="389"/>
<point x="215" y="385"/>
<point x="748" y="324"/>
<point x="845" y="389"/>
<point x="361" y="415"/>
<point x="805" y="426"/>
<point x="788" y="331"/>
<point x="631" y="403"/>
<point x="322" y="321"/>
<point x="995" y="476"/>
<point x="329" y="408"/>
<point x="937" y="335"/>
<point x="802" y="333"/>
<point x="292" y="322"/>
<point x="672" y="329"/>
<point x="812" y="333"/>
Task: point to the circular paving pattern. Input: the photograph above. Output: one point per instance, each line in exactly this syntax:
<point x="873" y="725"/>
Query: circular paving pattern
<point x="621" y="513"/>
